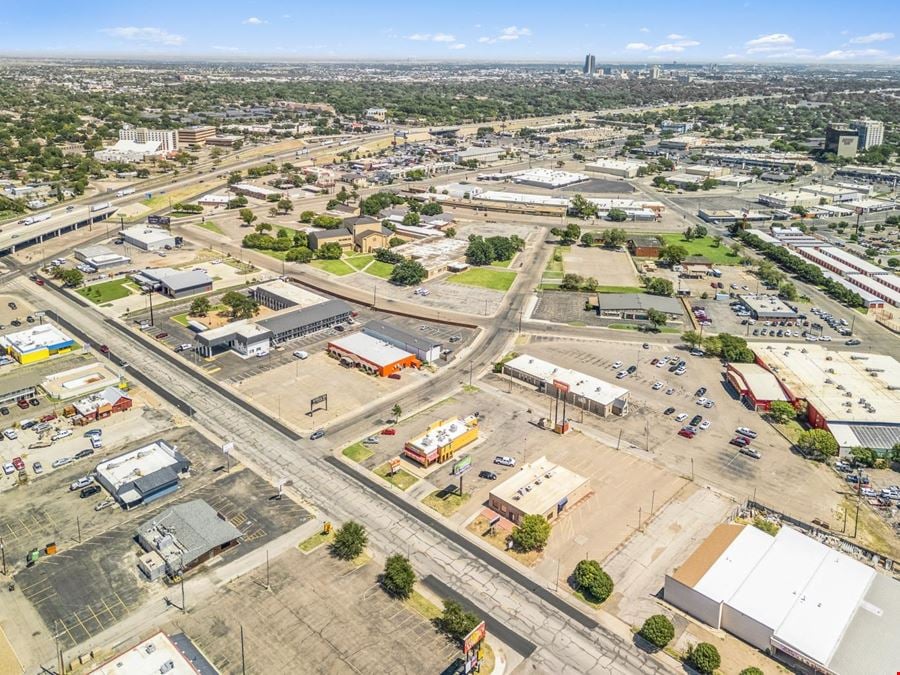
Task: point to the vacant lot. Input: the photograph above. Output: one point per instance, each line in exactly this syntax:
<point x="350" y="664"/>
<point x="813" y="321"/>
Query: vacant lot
<point x="321" y="615"/>
<point x="485" y="277"/>
<point x="720" y="255"/>
<point x="608" y="267"/>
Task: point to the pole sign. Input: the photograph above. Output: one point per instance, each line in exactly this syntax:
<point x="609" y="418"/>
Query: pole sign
<point x="227" y="448"/>
<point x="473" y="648"/>
<point x="318" y="399"/>
<point x="462" y="465"/>
<point x="561" y="386"/>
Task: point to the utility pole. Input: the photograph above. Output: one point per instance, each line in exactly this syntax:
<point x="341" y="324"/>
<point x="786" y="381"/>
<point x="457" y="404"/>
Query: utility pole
<point x="243" y="661"/>
<point x="3" y="554"/>
<point x="267" y="570"/>
<point x="692" y="468"/>
<point x="78" y="525"/>
<point x="652" y="501"/>
<point x="856" y="519"/>
<point x="150" y="296"/>
<point x="619" y="442"/>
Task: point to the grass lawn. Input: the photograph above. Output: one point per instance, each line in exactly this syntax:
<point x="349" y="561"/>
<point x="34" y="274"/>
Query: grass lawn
<point x="357" y="452"/>
<point x="719" y="256"/>
<point x="422" y="605"/>
<point x="106" y="291"/>
<point x="162" y="199"/>
<point x="337" y="267"/>
<point x="586" y="599"/>
<point x="619" y="289"/>
<point x="211" y="226"/>
<point x="184" y="317"/>
<point x="379" y="269"/>
<point x="315" y="541"/>
<point x="485" y="277"/>
<point x="401" y="479"/>
<point x="445" y="503"/>
<point x="357" y="262"/>
<point x="502" y="263"/>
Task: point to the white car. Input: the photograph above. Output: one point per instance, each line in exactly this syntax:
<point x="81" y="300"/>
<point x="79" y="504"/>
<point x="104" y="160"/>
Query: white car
<point x="62" y="433"/>
<point x="82" y="482"/>
<point x="10" y="433"/>
<point x="681" y="417"/>
<point x="8" y="468"/>
<point x="62" y="461"/>
<point x="704" y="425"/>
<point x="744" y="431"/>
<point x="505" y="461"/>
<point x="617" y="365"/>
<point x="825" y="338"/>
<point x="658" y="385"/>
<point x="622" y="374"/>
<point x="300" y="354"/>
<point x="681" y="371"/>
<point x="701" y="401"/>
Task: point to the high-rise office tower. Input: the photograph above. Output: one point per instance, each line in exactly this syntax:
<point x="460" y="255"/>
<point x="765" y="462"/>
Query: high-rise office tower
<point x="590" y="64"/>
<point x="871" y="133"/>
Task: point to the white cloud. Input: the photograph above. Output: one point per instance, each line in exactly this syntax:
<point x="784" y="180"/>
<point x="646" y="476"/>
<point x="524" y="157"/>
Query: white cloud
<point x="638" y="46"/>
<point x="146" y="34"/>
<point x="852" y="54"/>
<point x="485" y="40"/>
<point x="732" y="56"/>
<point x="770" y="42"/>
<point x="221" y="48"/>
<point x="871" y="37"/>
<point x="253" y="21"/>
<point x="514" y="33"/>
<point x="674" y="36"/>
<point x="431" y="37"/>
<point x="675" y="47"/>
<point x="458" y="45"/>
<point x="644" y="29"/>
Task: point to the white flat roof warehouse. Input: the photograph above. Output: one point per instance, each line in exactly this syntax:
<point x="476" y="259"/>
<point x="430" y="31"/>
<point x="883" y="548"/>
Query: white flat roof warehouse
<point x="586" y="386"/>
<point x="540" y="486"/>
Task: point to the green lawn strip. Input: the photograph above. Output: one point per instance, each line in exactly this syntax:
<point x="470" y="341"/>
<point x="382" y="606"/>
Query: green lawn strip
<point x="315" y="541"/>
<point x="211" y="226"/>
<point x="379" y="269"/>
<point x="336" y="267"/>
<point x="484" y="277"/>
<point x="184" y="317"/>
<point x="106" y="291"/>
<point x="720" y="255"/>
<point x="619" y="289"/>
<point x="502" y="263"/>
<point x="422" y="605"/>
<point x="278" y="255"/>
<point x="358" y="262"/>
<point x="401" y="479"/>
<point x="357" y="452"/>
<point x="445" y="503"/>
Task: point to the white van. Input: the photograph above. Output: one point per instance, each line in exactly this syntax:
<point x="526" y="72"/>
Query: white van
<point x="300" y="354"/>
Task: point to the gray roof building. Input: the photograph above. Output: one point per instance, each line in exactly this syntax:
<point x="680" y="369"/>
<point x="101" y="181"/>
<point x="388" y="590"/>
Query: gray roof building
<point x="425" y="349"/>
<point x="637" y="303"/>
<point x="187" y="534"/>
<point x="316" y="239"/>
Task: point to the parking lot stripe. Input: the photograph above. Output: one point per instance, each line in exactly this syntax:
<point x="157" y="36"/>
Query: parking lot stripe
<point x="42" y="580"/>
<point x="96" y="618"/>
<point x="108" y="610"/>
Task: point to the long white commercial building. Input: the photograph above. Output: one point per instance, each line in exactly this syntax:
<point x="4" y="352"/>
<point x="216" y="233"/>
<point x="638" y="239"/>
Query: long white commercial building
<point x="793" y="597"/>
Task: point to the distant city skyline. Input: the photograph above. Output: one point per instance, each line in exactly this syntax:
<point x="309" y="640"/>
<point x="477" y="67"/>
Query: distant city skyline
<point x="757" y="31"/>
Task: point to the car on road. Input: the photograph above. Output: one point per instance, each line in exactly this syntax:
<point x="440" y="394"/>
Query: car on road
<point x="751" y="452"/>
<point x="318" y="433"/>
<point x="657" y="385"/>
<point x="18" y="463"/>
<point x="84" y="481"/>
<point x="489" y="475"/>
<point x="853" y="342"/>
<point x="744" y="431"/>
<point x="680" y="417"/>
<point x="185" y="347"/>
<point x="704" y="425"/>
<point x="687" y="432"/>
<point x="617" y="365"/>
<point x="390" y="431"/>
<point x="104" y="349"/>
<point x="668" y="411"/>
<point x="81" y="454"/>
<point x="740" y="441"/>
<point x="37" y="467"/>
<point x="89" y="491"/>
<point x="504" y="460"/>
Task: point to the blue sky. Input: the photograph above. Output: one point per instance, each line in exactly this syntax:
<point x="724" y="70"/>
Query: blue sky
<point x="826" y="31"/>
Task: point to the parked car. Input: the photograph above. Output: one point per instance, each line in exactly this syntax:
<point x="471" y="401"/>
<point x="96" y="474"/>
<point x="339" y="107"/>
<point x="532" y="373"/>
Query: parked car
<point x="632" y="370"/>
<point x="617" y="365"/>
<point x="704" y="425"/>
<point x="18" y="463"/>
<point x="621" y="375"/>
<point x="740" y="441"/>
<point x="47" y="418"/>
<point x="10" y="434"/>
<point x="93" y="432"/>
<point x="62" y="461"/>
<point x="504" y="460"/>
<point x="4" y="410"/>
<point x="657" y="385"/>
<point x="84" y="481"/>
<point x="62" y="433"/>
<point x="681" y="417"/>
<point x="33" y="402"/>
<point x="687" y="432"/>
<point x="668" y="411"/>
<point x="22" y="403"/>
<point x="489" y="475"/>
<point x="744" y="431"/>
<point x="8" y="468"/>
<point x="696" y="419"/>
<point x="700" y="391"/>
<point x="37" y="467"/>
<point x="160" y="336"/>
<point x="300" y="354"/>
<point x="89" y="491"/>
<point x="81" y="454"/>
<point x="390" y="431"/>
<point x="184" y="347"/>
<point x="394" y="376"/>
<point x="751" y="452"/>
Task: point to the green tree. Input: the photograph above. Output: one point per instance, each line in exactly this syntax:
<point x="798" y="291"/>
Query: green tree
<point x="587" y="239"/>
<point x="717" y="241"/>
<point x="781" y="412"/>
<point x="673" y="254"/>
<point x="660" y="286"/>
<point x="398" y="577"/>
<point x="657" y="630"/>
<point x="582" y="208"/>
<point x="349" y="541"/>
<point x="408" y="273"/>
<point x="307" y="216"/>
<point x="613" y="237"/>
<point x="735" y="250"/>
<point x="247" y="216"/>
<point x="479" y="252"/>
<point x="396" y="411"/>
<point x="330" y="251"/>
<point x="752" y="670"/>
<point x="571" y="282"/>
<point x="893" y="263"/>
<point x="656" y="318"/>
<point x="568" y="235"/>
<point x="532" y="533"/>
<point x="455" y="621"/>
<point x="617" y="215"/>
<point x="704" y="657"/>
<point x="692" y="338"/>
<point x="285" y="205"/>
<point x="865" y="456"/>
<point x="450" y="232"/>
<point x="300" y="254"/>
<point x="411" y="218"/>
<point x="261" y="227"/>
<point x="818" y="443"/>
<point x="241" y="306"/>
<point x="788" y="291"/>
<point x="200" y="307"/>
<point x="431" y="209"/>
<point x="70" y="277"/>
<point x="592" y="580"/>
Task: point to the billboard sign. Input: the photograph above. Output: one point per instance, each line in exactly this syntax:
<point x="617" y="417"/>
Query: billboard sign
<point x="561" y="386"/>
<point x="394" y="464"/>
<point x="318" y="399"/>
<point x="475" y="638"/>
<point x="461" y="465"/>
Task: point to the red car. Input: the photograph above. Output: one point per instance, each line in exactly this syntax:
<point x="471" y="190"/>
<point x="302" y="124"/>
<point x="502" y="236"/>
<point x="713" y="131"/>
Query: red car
<point x="39" y="281"/>
<point x="48" y="418"/>
<point x="687" y="433"/>
<point x="740" y="441"/>
<point x="390" y="431"/>
<point x="104" y="349"/>
<point x="160" y="336"/>
<point x="18" y="463"/>
<point x="22" y="403"/>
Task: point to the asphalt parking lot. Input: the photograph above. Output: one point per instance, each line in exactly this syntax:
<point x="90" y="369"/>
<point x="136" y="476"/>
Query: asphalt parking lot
<point x="92" y="584"/>
<point x="321" y="615"/>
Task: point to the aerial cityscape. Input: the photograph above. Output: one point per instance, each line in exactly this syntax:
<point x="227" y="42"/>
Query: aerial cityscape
<point x="510" y="339"/>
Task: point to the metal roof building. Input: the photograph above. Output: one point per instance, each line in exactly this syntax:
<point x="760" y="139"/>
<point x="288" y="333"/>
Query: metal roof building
<point x="148" y="238"/>
<point x="539" y="488"/>
<point x="426" y="349"/>
<point x="793" y="597"/>
<point x="176" y="654"/>
<point x="144" y="474"/>
<point x="372" y="354"/>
